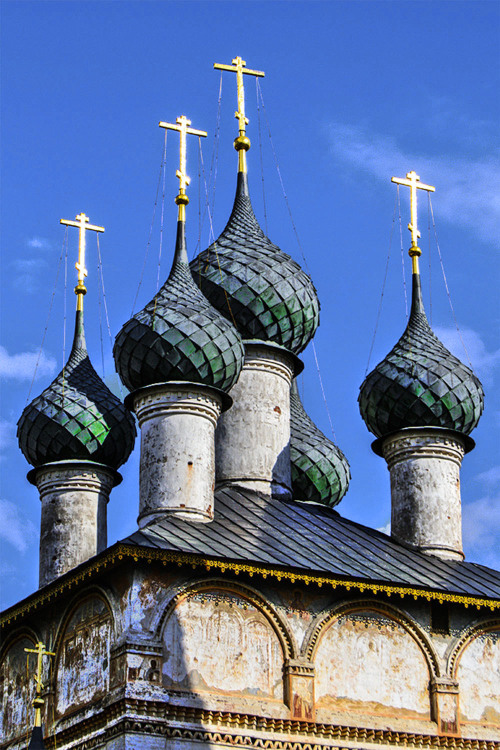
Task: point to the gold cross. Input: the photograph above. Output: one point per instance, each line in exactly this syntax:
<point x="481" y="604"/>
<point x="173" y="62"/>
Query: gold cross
<point x="82" y="223"/>
<point x="242" y="143"/>
<point x="413" y="182"/>
<point x="38" y="702"/>
<point x="181" y="126"/>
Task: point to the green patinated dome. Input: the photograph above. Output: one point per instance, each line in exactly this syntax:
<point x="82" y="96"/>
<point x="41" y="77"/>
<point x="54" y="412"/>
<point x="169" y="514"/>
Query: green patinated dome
<point x="77" y="417"/>
<point x="320" y="472"/>
<point x="420" y="383"/>
<point x="256" y="285"/>
<point x="178" y="336"/>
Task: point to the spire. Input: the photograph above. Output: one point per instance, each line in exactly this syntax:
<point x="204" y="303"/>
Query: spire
<point x="36" y="741"/>
<point x="182" y="127"/>
<point x="413" y="182"/>
<point x="419" y="383"/>
<point x="242" y="142"/>
<point x="77" y="418"/>
<point x="82" y="223"/>
<point x="179" y="335"/>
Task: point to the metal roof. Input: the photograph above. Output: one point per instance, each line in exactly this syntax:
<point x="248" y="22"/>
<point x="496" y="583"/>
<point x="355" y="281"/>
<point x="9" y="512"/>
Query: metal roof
<point x="251" y="528"/>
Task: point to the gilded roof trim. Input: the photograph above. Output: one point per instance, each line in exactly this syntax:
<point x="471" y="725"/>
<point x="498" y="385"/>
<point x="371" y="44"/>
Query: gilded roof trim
<point x="120" y="551"/>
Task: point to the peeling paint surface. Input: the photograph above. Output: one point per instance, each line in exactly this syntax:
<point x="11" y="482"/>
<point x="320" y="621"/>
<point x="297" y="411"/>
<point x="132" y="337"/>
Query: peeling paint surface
<point x="478" y="675"/>
<point x="217" y="641"/>
<point x="15" y="685"/>
<point x="363" y="662"/>
<point x="84" y="656"/>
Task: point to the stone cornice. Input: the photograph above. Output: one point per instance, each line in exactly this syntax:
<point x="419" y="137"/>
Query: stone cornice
<point x="153" y="718"/>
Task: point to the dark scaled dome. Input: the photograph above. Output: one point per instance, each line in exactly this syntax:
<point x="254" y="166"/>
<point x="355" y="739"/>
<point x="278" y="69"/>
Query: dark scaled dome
<point x="77" y="417"/>
<point x="420" y="383"/>
<point x="254" y="283"/>
<point x="320" y="472"/>
<point x="178" y="336"/>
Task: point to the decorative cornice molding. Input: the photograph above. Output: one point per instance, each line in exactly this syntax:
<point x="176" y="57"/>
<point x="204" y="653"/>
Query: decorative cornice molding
<point x="154" y="403"/>
<point x="114" y="555"/>
<point x="227" y="728"/>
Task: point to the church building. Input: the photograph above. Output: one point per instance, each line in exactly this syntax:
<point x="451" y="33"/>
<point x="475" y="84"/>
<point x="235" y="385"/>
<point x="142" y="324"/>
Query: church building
<point x="245" y="610"/>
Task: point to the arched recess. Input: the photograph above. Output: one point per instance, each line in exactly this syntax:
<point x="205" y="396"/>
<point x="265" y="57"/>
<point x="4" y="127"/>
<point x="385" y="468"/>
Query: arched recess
<point x="83" y="653"/>
<point x="475" y="664"/>
<point x="244" y="643"/>
<point x="364" y="652"/>
<point x="17" y="687"/>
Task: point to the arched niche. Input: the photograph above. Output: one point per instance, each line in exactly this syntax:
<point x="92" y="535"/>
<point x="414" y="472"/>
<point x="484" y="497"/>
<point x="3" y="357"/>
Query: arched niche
<point x="477" y="669"/>
<point x="83" y="655"/>
<point x="368" y="662"/>
<point x="17" y="689"/>
<point x="221" y="641"/>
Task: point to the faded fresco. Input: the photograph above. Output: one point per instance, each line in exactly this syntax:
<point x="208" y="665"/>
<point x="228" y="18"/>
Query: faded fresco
<point x="241" y="652"/>
<point x="84" y="651"/>
<point x="16" y="684"/>
<point x="362" y="665"/>
<point x="478" y="674"/>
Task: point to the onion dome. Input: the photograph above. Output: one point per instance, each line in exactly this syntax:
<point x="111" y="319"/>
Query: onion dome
<point x="178" y="336"/>
<point x="420" y="383"/>
<point x="254" y="283"/>
<point x="77" y="417"/>
<point x="320" y="471"/>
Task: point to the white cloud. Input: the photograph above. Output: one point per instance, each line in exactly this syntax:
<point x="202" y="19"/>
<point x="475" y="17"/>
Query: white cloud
<point x="7" y="433"/>
<point x="22" y="366"/>
<point x="469" y="188"/>
<point x="16" y="529"/>
<point x="38" y="243"/>
<point x="481" y="531"/>
<point x="385" y="529"/>
<point x="483" y="362"/>
<point x="491" y="477"/>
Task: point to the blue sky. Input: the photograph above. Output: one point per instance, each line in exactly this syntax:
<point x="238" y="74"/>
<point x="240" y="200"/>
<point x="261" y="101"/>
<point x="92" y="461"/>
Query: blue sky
<point x="354" y="93"/>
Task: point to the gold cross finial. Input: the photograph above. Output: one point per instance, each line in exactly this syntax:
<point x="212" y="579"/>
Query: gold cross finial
<point x="241" y="143"/>
<point x="82" y="224"/>
<point x="38" y="701"/>
<point x="182" y="126"/>
<point x="413" y="182"/>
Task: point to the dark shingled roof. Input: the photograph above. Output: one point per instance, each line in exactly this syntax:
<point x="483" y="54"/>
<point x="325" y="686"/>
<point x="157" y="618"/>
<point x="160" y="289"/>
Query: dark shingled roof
<point x="320" y="471"/>
<point x="77" y="418"/>
<point x="178" y="336"/>
<point x="254" y="283"/>
<point x="251" y="528"/>
<point x="420" y="383"/>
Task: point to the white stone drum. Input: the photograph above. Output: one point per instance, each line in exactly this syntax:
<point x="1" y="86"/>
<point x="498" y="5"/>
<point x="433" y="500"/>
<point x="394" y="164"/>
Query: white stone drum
<point x="424" y="464"/>
<point x="74" y="496"/>
<point x="177" y="465"/>
<point x="253" y="438"/>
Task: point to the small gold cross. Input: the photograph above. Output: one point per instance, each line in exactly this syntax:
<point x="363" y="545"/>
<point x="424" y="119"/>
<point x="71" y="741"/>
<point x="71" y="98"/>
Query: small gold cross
<point x="38" y="702"/>
<point x="242" y="143"/>
<point x="413" y="182"/>
<point x="182" y="126"/>
<point x="82" y="223"/>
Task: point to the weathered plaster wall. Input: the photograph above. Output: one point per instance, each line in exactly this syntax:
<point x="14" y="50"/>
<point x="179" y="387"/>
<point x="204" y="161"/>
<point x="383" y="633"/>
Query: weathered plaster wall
<point x="241" y="652"/>
<point x="16" y="690"/>
<point x="167" y="639"/>
<point x="363" y="662"/>
<point x="478" y="674"/>
<point x="82" y="667"/>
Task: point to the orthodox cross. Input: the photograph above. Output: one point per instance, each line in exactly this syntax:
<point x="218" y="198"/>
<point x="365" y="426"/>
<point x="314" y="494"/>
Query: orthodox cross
<point x="413" y="182"/>
<point x="82" y="223"/>
<point x="182" y="126"/>
<point x="242" y="143"/>
<point x="38" y="702"/>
